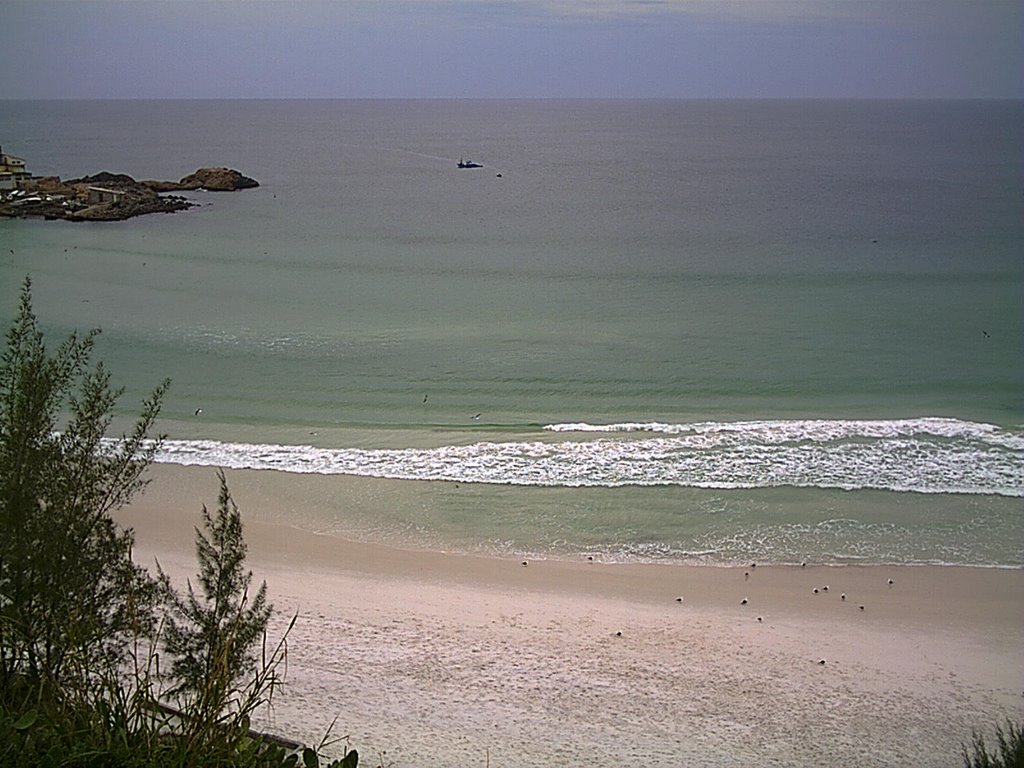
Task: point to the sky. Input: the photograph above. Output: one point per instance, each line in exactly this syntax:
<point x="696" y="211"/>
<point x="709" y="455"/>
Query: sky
<point x="511" y="49"/>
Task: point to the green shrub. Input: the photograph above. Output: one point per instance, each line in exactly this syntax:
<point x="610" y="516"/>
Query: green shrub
<point x="1009" y="752"/>
<point x="211" y="636"/>
<point x="70" y="595"/>
<point x="80" y="635"/>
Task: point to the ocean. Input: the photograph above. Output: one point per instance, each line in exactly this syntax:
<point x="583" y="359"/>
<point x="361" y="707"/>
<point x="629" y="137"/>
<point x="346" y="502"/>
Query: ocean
<point x="681" y="331"/>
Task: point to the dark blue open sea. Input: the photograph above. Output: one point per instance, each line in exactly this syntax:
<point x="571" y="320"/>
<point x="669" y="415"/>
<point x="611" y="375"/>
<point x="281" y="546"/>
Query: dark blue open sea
<point x="700" y="331"/>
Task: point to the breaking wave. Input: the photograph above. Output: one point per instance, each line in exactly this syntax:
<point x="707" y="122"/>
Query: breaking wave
<point x="928" y="455"/>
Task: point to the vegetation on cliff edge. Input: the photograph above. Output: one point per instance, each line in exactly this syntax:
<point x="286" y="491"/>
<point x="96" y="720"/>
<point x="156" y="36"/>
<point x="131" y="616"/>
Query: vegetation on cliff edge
<point x="82" y="627"/>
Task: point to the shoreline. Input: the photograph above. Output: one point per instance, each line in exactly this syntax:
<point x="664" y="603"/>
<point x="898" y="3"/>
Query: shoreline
<point x="465" y="659"/>
<point x="682" y="525"/>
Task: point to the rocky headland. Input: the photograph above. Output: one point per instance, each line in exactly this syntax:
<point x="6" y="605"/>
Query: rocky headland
<point x="114" y="196"/>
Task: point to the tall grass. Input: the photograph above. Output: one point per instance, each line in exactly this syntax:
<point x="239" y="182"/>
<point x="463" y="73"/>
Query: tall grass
<point x="121" y="721"/>
<point x="1008" y="753"/>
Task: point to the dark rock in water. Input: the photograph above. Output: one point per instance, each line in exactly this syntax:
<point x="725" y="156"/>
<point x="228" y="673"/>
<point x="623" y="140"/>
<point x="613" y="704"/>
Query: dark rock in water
<point x="217" y="180"/>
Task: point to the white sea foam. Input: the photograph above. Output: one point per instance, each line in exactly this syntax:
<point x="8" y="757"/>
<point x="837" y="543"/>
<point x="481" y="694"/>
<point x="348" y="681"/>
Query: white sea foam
<point x="916" y="455"/>
<point x="817" y="430"/>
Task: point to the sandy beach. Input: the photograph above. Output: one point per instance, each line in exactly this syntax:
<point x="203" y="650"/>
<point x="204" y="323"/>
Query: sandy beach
<point x="428" y="658"/>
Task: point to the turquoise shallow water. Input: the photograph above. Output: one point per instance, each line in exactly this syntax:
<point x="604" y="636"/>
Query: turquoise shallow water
<point x="684" y="330"/>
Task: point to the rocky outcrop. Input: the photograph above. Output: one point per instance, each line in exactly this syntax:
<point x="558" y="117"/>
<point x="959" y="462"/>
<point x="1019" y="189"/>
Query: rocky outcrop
<point x="105" y="178"/>
<point x="132" y="204"/>
<point x="211" y="179"/>
<point x="217" y="180"/>
<point x="120" y="197"/>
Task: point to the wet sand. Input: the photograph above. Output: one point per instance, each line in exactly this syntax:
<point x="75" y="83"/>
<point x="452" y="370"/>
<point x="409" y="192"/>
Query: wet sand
<point x="433" y="658"/>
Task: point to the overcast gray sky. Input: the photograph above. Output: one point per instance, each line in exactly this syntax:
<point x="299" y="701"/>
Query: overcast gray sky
<point x="510" y="48"/>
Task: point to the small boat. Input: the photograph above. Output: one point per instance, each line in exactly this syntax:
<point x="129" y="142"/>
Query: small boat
<point x="469" y="164"/>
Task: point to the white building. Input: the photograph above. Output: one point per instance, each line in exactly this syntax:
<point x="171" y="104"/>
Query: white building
<point x="12" y="171"/>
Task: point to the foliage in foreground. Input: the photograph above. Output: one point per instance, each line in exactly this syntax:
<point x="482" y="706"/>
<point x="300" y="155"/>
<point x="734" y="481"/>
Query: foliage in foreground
<point x="80" y="623"/>
<point x="1009" y="752"/>
<point x="70" y="595"/>
<point x="211" y="636"/>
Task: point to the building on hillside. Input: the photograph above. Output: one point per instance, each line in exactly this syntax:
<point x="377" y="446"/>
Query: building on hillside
<point x="99" y="195"/>
<point x="13" y="174"/>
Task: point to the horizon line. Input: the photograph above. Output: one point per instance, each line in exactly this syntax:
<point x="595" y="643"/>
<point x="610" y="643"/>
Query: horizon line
<point x="513" y="98"/>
